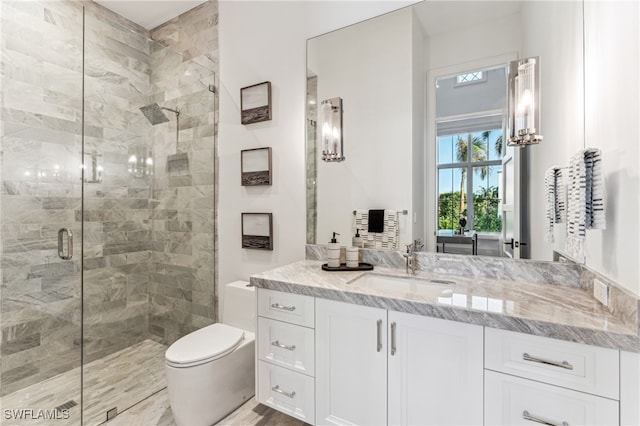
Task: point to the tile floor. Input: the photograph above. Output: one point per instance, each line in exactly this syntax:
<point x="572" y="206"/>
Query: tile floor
<point x="121" y="380"/>
<point x="155" y="411"/>
<point x="117" y="380"/>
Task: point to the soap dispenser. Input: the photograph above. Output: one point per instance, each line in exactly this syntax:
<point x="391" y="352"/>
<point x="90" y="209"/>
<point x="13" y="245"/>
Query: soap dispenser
<point x="333" y="252"/>
<point x="357" y="239"/>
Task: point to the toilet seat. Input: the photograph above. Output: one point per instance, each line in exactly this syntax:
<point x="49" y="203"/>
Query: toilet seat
<point x="204" y="345"/>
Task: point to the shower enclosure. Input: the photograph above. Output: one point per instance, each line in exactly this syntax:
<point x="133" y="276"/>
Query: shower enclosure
<point x="107" y="219"/>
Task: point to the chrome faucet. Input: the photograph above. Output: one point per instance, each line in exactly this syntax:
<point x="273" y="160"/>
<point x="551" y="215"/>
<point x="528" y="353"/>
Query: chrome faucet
<point x="410" y="255"/>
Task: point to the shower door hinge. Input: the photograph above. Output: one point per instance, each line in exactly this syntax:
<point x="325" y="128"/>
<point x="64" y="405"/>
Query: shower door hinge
<point x="112" y="413"/>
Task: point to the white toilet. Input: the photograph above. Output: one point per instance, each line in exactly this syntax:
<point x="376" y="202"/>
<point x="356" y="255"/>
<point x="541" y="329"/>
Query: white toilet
<point x="211" y="371"/>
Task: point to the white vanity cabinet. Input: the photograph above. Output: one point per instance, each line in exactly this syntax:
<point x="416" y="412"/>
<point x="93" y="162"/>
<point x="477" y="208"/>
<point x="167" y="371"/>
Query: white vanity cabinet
<point x="376" y="367"/>
<point x="285" y="351"/>
<point x="329" y="362"/>
<point x="542" y="380"/>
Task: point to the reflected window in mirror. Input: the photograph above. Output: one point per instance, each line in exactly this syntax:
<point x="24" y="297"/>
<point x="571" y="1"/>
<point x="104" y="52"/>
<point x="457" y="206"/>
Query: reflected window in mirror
<point x="470" y="111"/>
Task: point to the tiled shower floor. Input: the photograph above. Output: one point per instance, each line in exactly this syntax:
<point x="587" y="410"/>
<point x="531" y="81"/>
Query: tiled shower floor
<point x="117" y="380"/>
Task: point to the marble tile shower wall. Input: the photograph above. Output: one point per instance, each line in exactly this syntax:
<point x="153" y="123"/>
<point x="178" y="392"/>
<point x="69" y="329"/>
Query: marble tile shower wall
<point x="181" y="289"/>
<point x="148" y="251"/>
<point x="117" y="211"/>
<point x="312" y="157"/>
<point x="41" y="189"/>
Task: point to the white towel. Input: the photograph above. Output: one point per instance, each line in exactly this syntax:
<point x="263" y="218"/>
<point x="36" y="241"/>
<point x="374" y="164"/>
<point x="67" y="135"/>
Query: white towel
<point x="389" y="238"/>
<point x="554" y="200"/>
<point x="586" y="199"/>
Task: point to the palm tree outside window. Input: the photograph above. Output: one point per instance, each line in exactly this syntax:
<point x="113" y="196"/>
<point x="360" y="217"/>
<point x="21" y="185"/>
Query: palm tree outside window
<point x="469" y="168"/>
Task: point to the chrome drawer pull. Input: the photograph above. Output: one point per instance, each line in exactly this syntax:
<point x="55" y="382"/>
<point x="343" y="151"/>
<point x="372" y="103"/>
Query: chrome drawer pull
<point x="280" y="345"/>
<point x="527" y="416"/>
<point x="393" y="338"/>
<point x="379" y="335"/>
<point x="276" y="388"/>
<point x="283" y="308"/>
<point x="563" y="364"/>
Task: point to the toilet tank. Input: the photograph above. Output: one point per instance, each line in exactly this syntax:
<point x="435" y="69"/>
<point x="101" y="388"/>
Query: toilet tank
<point x="239" y="306"/>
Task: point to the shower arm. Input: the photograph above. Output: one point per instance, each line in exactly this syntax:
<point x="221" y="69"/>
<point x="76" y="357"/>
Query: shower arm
<point x="177" y="113"/>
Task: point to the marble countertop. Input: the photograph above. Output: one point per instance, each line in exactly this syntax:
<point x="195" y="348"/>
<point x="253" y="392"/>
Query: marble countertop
<point x="555" y="311"/>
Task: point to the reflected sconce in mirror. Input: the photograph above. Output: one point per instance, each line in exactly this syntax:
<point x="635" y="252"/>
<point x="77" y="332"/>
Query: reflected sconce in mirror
<point x="524" y="102"/>
<point x="140" y="163"/>
<point x="331" y="130"/>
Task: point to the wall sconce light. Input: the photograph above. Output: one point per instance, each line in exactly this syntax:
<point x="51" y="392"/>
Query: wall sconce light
<point x="140" y="163"/>
<point x="331" y="130"/>
<point x="524" y="102"/>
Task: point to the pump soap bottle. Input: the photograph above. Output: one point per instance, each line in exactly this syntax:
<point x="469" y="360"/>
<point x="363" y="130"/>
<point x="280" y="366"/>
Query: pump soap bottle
<point x="333" y="252"/>
<point x="357" y="240"/>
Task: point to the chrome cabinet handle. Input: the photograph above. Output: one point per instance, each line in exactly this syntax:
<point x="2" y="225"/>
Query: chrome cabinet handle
<point x="61" y="252"/>
<point x="276" y="388"/>
<point x="379" y="335"/>
<point x="563" y="364"/>
<point x="527" y="416"/>
<point x="393" y="338"/>
<point x="280" y="345"/>
<point x="283" y="308"/>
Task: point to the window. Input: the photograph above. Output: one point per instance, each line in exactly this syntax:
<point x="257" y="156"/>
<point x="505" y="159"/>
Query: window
<point x="469" y="168"/>
<point x="471" y="77"/>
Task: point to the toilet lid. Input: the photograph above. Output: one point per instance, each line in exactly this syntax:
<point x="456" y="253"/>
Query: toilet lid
<point x="206" y="344"/>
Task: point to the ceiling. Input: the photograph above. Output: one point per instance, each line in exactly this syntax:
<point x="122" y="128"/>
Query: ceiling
<point x="436" y="16"/>
<point x="149" y="13"/>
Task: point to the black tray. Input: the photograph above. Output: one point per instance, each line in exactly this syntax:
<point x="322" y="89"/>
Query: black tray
<point x="343" y="267"/>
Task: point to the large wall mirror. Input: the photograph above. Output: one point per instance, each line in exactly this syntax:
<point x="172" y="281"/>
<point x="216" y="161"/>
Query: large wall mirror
<point x="424" y="105"/>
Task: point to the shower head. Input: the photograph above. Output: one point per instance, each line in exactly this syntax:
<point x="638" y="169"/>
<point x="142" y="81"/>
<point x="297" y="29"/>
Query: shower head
<point x="155" y="115"/>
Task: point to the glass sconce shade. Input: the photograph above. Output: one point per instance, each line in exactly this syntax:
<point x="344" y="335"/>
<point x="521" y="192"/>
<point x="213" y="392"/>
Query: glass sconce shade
<point x="331" y="130"/>
<point x="524" y="102"/>
<point x="140" y="163"/>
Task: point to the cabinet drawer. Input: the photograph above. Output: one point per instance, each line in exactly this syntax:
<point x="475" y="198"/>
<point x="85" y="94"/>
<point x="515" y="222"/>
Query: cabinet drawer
<point x="293" y="308"/>
<point x="286" y="391"/>
<point x="514" y="401"/>
<point x="287" y="345"/>
<point x="572" y="365"/>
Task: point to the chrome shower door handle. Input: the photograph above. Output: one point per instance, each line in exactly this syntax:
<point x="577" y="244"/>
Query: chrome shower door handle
<point x="61" y="251"/>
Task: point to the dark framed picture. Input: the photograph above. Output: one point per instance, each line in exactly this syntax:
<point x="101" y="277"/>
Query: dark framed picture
<point x="257" y="231"/>
<point x="255" y="166"/>
<point x="255" y="103"/>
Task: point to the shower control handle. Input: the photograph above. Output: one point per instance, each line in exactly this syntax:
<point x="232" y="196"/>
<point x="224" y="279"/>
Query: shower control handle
<point x="61" y="250"/>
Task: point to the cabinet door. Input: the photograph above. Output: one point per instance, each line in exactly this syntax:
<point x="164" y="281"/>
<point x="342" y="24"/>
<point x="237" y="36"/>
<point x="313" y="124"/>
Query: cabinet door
<point x="351" y="364"/>
<point x="435" y="371"/>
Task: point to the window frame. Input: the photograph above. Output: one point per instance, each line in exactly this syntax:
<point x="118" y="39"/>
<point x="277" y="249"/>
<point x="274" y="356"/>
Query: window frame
<point x="467" y="165"/>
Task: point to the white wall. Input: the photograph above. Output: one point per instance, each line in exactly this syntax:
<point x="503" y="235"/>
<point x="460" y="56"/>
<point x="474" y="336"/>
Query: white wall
<point x="266" y="40"/>
<point x="369" y="66"/>
<point x="475" y="42"/>
<point x="562" y="116"/>
<point x="612" y="94"/>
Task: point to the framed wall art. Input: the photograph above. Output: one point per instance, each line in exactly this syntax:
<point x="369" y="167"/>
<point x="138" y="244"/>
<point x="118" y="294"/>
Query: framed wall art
<point x="255" y="166"/>
<point x="257" y="231"/>
<point x="255" y="103"/>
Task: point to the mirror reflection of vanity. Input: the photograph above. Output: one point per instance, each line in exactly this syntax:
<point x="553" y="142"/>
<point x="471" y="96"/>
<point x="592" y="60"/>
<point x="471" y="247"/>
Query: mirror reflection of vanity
<point x="390" y="72"/>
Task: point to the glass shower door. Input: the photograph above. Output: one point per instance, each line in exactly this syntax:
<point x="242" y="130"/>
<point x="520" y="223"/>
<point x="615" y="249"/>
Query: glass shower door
<point x="40" y="205"/>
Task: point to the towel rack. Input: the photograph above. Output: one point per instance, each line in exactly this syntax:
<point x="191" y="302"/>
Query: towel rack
<point x="404" y="212"/>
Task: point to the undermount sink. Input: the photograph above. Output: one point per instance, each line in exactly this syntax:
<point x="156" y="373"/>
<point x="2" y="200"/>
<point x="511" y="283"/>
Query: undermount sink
<point x="411" y="285"/>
